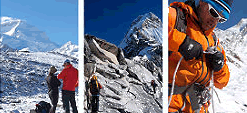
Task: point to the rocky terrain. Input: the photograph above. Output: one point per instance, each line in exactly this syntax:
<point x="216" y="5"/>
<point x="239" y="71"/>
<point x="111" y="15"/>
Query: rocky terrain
<point x="126" y="83"/>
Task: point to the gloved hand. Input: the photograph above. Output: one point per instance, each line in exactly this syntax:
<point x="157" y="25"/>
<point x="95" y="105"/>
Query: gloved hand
<point x="190" y="49"/>
<point x="215" y="61"/>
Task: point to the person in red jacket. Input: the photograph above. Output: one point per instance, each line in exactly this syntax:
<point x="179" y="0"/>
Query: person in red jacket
<point x="69" y="75"/>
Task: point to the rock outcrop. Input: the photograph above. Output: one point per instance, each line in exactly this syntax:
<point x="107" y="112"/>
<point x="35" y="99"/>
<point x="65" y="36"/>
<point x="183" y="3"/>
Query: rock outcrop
<point x="126" y="83"/>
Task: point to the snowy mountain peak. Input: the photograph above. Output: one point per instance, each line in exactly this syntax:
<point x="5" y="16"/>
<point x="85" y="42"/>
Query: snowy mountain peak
<point x="147" y="27"/>
<point x="144" y="38"/>
<point x="234" y="37"/>
<point x="18" y="34"/>
<point x="148" y="17"/>
<point x="68" y="49"/>
<point x="9" y="25"/>
<point x="69" y="43"/>
<point x="240" y="26"/>
<point x="8" y="19"/>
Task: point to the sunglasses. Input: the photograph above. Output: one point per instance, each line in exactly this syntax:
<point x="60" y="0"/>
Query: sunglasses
<point x="215" y="14"/>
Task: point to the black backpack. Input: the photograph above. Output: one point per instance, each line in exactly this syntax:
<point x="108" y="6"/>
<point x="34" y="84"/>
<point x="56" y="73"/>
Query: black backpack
<point x="43" y="107"/>
<point x="94" y="87"/>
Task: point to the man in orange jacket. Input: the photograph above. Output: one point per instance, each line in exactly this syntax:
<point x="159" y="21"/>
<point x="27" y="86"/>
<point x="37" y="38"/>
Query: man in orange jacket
<point x="70" y="80"/>
<point x="193" y="44"/>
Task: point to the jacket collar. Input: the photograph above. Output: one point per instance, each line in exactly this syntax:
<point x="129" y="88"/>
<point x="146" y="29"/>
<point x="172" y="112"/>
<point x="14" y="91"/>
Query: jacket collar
<point x="68" y="66"/>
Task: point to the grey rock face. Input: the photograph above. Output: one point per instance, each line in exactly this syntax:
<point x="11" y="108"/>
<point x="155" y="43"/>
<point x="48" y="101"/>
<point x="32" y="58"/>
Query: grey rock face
<point x="126" y="85"/>
<point x="104" y="50"/>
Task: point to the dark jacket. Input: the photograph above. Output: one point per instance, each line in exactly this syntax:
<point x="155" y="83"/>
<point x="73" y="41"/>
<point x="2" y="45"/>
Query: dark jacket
<point x="52" y="83"/>
<point x="95" y="92"/>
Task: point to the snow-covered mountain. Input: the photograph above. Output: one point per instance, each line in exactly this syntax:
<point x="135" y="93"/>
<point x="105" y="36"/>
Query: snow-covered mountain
<point x="68" y="49"/>
<point x="18" y="34"/>
<point x="144" y="38"/>
<point x="234" y="37"/>
<point x="232" y="98"/>
<point x="26" y="56"/>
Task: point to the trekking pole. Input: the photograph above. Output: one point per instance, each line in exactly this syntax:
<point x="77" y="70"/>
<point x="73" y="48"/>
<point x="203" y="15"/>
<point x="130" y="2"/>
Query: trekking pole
<point x="212" y="86"/>
<point x="212" y="50"/>
<point x="173" y="81"/>
<point x="217" y="95"/>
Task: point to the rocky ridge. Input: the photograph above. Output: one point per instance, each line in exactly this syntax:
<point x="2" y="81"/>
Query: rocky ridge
<point x="126" y="83"/>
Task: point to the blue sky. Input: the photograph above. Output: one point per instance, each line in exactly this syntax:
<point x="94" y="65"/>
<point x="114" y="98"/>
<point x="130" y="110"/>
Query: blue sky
<point x="111" y="19"/>
<point x="58" y="18"/>
<point x="236" y="15"/>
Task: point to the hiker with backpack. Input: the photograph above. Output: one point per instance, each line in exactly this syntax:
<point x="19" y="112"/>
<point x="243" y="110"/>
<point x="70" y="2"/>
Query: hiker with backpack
<point x="53" y="84"/>
<point x="95" y="87"/>
<point x="196" y="58"/>
<point x="69" y="75"/>
<point x="154" y="85"/>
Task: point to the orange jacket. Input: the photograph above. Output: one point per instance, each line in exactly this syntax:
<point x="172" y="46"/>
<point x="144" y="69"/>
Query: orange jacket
<point x="70" y="78"/>
<point x="193" y="70"/>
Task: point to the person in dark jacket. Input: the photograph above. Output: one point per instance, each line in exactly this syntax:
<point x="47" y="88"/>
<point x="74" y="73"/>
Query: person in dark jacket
<point x="95" y="90"/>
<point x="53" y="84"/>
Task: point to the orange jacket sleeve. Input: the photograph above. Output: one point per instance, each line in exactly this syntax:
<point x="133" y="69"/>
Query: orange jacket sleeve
<point x="221" y="77"/>
<point x="175" y="37"/>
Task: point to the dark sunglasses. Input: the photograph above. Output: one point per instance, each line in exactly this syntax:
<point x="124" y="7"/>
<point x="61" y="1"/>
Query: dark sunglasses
<point x="215" y="14"/>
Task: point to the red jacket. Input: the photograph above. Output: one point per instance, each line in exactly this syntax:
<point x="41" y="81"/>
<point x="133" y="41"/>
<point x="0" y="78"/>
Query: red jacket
<point x="70" y="78"/>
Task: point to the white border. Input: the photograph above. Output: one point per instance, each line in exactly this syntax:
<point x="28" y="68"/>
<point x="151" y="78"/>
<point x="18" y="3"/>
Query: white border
<point x="81" y="54"/>
<point x="80" y="104"/>
<point x="165" y="55"/>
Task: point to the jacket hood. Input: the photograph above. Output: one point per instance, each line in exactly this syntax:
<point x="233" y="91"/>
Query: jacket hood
<point x="68" y="66"/>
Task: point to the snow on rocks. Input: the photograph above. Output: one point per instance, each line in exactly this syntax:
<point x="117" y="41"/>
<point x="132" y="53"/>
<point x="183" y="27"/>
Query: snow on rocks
<point x="126" y="87"/>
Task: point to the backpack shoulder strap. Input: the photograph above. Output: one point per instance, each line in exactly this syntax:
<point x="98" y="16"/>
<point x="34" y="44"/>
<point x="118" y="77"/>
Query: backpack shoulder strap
<point x="215" y="38"/>
<point x="96" y="81"/>
<point x="181" y="23"/>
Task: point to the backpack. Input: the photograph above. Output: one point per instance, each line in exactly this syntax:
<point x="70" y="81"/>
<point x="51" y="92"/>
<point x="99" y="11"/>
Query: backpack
<point x="94" y="87"/>
<point x="43" y="107"/>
